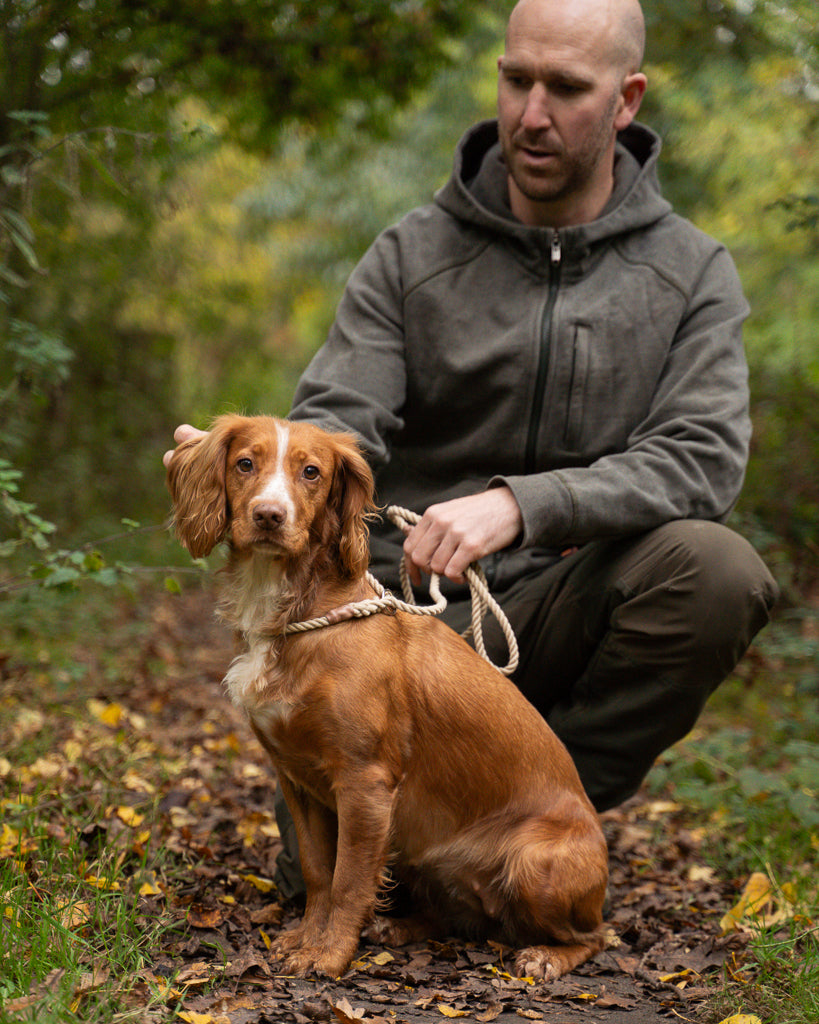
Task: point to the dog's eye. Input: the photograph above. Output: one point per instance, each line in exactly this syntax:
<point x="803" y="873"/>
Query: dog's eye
<point x="311" y="473"/>
<point x="245" y="465"/>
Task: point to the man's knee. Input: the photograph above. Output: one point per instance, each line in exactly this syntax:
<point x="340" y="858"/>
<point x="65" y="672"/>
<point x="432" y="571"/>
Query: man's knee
<point x="723" y="567"/>
<point x="704" y="579"/>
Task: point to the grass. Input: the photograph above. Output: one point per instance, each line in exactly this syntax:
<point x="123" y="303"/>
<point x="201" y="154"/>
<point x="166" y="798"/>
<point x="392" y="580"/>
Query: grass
<point x="73" y="938"/>
<point x="77" y="864"/>
<point x="749" y="779"/>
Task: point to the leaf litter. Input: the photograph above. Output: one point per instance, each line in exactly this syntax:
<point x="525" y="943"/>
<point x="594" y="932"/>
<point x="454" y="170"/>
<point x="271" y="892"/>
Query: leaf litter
<point x="176" y="792"/>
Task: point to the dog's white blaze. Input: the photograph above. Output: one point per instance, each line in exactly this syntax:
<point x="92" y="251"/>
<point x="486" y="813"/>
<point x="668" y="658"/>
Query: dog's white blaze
<point x="278" y="486"/>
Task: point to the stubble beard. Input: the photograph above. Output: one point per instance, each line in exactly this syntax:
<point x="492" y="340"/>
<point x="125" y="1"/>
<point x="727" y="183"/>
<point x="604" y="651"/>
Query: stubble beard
<point x="573" y="170"/>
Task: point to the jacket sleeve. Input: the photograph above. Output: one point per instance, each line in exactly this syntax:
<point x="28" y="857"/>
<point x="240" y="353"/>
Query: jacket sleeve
<point x="687" y="457"/>
<point x="357" y="379"/>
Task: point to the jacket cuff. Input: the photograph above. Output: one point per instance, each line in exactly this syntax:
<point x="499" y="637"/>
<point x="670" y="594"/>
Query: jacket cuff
<point x="546" y="505"/>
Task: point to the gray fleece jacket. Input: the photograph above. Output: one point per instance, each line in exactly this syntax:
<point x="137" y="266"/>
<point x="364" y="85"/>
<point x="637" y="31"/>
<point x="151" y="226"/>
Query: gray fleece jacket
<point x="597" y="370"/>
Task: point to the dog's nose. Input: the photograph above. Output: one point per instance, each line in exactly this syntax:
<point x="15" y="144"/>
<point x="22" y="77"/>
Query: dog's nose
<point x="268" y="516"/>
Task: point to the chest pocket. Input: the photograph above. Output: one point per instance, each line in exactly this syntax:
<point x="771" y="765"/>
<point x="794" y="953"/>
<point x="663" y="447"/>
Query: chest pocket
<point x="610" y="386"/>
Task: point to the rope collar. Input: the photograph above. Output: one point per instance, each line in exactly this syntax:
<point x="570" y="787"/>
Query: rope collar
<point x="482" y="602"/>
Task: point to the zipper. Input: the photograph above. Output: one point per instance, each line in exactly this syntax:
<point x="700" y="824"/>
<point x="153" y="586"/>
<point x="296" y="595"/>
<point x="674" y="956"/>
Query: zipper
<point x="555" y="256"/>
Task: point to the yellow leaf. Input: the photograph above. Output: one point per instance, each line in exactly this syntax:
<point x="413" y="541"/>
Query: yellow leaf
<point x="659" y="808"/>
<point x="150" y="888"/>
<point x="5" y="767"/>
<point x="108" y="714"/>
<point x="13" y="843"/>
<point x="194" y="1018"/>
<point x="756" y="894"/>
<point x="742" y="1018"/>
<point x="130" y="817"/>
<point x="262" y="884"/>
<point x="450" y="1011"/>
<point x="383" y="958"/>
<point x="678" y="975"/>
<point x="102" y="883"/>
<point x="268" y="942"/>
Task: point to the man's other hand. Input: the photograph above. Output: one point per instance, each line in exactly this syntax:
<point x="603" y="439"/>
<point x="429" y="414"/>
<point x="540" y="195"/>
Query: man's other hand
<point x="184" y="432"/>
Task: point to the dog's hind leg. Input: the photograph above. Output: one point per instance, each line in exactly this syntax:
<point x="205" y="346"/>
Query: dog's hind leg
<point x="555" y="882"/>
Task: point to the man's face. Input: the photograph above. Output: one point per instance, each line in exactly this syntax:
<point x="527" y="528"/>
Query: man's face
<point x="559" y="97"/>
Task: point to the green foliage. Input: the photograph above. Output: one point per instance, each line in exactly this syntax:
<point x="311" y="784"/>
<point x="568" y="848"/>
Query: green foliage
<point x="26" y="526"/>
<point x="751" y="769"/>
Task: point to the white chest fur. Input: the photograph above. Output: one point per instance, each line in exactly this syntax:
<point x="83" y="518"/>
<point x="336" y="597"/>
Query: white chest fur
<point x="248" y="675"/>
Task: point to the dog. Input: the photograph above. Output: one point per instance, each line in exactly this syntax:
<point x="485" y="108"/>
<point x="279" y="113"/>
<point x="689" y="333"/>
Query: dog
<point x="395" y="745"/>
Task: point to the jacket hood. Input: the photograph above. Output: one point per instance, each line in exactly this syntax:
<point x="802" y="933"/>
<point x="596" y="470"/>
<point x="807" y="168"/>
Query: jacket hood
<point x="477" y="190"/>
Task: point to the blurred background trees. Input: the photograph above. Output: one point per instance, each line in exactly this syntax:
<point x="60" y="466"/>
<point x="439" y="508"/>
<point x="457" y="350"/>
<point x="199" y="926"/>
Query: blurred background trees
<point x="184" y="188"/>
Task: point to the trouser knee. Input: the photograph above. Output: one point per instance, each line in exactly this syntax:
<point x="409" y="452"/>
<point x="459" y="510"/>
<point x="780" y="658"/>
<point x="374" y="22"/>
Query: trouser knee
<point x="703" y="588"/>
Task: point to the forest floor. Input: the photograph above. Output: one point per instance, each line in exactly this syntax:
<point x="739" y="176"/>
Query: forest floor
<point x="128" y="769"/>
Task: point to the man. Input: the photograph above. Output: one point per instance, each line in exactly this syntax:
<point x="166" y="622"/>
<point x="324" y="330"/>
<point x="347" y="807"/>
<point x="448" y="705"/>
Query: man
<point x="547" y="362"/>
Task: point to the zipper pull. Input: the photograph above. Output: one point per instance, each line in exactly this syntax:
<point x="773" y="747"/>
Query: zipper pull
<point x="556" y="251"/>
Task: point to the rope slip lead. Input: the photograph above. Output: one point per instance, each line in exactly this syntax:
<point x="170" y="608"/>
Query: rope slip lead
<point x="482" y="601"/>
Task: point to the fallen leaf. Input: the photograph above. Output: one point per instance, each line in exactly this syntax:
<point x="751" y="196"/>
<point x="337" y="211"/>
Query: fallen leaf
<point x="108" y="714"/>
<point x="750" y="912"/>
<point x="262" y="884"/>
<point x="450" y="1011"/>
<point x="383" y="958"/>
<point x="128" y="816"/>
<point x="74" y="915"/>
<point x="13" y="843"/>
<point x="742" y="1018"/>
<point x="346" y="1014"/>
<point x="206" y="917"/>
<point x="701" y="873"/>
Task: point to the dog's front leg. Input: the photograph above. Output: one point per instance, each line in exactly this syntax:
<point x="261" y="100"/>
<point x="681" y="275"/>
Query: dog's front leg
<point x="364" y="800"/>
<point x="316" y="830"/>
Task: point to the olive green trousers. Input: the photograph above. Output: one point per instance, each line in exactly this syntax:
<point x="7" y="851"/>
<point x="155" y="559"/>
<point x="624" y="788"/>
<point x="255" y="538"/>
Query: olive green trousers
<point x="621" y="644"/>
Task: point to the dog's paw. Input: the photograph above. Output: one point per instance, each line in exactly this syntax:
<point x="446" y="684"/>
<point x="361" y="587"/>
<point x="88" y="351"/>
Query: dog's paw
<point x="315" y="960"/>
<point x="539" y="962"/>
<point x="286" y="942"/>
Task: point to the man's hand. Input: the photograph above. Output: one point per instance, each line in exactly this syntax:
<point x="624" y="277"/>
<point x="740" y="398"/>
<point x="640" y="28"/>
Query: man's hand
<point x="455" y="533"/>
<point x="185" y="432"/>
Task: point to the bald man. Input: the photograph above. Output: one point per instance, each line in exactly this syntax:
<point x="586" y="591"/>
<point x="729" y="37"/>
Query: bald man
<point x="547" y="363"/>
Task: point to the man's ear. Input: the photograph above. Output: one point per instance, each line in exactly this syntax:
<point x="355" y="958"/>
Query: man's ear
<point x="631" y="96"/>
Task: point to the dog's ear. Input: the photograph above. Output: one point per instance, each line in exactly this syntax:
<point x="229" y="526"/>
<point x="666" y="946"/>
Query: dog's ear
<point x="352" y="496"/>
<point x="196" y="480"/>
